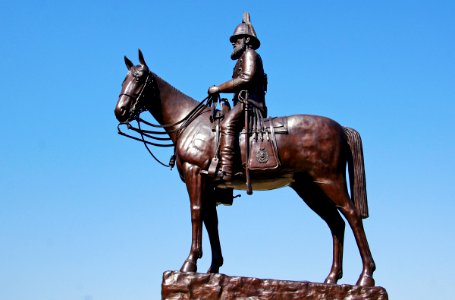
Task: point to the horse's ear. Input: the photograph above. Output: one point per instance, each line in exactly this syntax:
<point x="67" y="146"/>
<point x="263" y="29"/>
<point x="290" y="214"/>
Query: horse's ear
<point x="128" y="63"/>
<point x="141" y="58"/>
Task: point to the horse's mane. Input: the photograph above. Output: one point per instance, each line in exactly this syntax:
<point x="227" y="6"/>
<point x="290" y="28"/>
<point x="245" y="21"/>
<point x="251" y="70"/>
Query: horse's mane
<point x="173" y="89"/>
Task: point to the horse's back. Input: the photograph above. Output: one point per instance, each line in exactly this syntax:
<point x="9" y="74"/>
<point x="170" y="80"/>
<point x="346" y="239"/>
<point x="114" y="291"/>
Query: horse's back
<point x="307" y="144"/>
<point x="311" y="142"/>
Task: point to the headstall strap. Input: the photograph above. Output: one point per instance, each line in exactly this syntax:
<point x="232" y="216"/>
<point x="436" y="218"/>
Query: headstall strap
<point x="138" y="108"/>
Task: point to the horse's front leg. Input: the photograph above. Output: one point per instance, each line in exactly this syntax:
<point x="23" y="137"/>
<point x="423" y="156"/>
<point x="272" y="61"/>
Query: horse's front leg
<point x="195" y="185"/>
<point x="211" y="224"/>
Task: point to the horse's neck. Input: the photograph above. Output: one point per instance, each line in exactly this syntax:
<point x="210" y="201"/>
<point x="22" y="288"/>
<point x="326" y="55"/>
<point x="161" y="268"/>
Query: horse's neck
<point x="171" y="105"/>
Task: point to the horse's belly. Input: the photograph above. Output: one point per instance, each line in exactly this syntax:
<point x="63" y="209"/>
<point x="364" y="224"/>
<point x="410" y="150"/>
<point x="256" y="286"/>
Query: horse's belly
<point x="259" y="184"/>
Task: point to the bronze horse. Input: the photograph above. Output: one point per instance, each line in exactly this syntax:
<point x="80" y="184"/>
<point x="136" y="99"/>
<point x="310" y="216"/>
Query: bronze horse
<point x="313" y="157"/>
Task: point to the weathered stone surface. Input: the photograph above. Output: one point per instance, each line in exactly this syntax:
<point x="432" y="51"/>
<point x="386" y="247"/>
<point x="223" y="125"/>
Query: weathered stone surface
<point x="183" y="286"/>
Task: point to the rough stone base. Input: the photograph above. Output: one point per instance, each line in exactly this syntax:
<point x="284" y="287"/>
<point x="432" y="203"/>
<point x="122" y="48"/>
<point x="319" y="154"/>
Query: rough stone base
<point x="182" y="286"/>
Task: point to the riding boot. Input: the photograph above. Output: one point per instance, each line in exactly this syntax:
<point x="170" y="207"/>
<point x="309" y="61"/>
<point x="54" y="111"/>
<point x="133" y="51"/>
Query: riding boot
<point x="227" y="155"/>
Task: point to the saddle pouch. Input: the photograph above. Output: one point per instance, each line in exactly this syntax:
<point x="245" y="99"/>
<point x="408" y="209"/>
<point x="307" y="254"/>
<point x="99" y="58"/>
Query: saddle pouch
<point x="263" y="155"/>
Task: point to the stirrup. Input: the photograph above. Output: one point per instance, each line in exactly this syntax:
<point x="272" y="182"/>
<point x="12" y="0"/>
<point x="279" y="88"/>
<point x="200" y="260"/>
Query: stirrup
<point x="213" y="169"/>
<point x="220" y="175"/>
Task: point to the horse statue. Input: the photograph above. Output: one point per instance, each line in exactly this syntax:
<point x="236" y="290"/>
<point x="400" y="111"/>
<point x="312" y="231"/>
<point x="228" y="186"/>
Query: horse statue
<point x="313" y="157"/>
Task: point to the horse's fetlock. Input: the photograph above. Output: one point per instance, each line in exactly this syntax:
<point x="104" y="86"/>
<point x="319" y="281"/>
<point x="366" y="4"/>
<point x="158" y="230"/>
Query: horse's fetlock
<point x="372" y="266"/>
<point x="218" y="261"/>
<point x="340" y="275"/>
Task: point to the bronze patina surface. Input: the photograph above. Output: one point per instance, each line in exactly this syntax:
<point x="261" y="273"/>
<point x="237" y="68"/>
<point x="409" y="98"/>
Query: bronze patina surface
<point x="313" y="157"/>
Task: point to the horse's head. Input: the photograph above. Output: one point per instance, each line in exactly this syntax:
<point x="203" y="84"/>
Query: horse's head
<point x="130" y="102"/>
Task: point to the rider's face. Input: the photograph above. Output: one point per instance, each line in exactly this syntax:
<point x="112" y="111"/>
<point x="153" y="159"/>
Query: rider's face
<point x="239" y="45"/>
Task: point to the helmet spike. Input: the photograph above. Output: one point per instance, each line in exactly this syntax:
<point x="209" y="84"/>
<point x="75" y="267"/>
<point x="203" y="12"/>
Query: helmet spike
<point x="246" y="18"/>
<point x="246" y="29"/>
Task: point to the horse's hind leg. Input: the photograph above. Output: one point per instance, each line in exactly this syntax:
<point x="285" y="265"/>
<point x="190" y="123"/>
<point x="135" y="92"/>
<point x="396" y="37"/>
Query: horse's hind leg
<point x="319" y="203"/>
<point x="337" y="192"/>
<point x="211" y="224"/>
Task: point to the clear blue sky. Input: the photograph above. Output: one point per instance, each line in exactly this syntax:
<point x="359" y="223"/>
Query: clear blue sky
<point x="87" y="215"/>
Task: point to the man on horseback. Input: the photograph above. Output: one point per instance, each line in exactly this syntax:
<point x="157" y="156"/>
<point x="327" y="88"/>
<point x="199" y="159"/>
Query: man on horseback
<point x="248" y="83"/>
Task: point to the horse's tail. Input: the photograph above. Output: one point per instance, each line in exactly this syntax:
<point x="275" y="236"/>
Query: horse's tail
<point x="356" y="169"/>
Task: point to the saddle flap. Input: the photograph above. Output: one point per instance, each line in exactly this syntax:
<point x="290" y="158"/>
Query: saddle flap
<point x="263" y="150"/>
<point x="263" y="155"/>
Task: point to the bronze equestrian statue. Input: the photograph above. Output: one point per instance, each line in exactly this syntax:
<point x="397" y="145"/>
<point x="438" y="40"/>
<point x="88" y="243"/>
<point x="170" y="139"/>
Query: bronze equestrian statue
<point x="313" y="154"/>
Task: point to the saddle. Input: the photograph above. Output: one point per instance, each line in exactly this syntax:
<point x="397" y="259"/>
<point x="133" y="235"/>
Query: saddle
<point x="262" y="148"/>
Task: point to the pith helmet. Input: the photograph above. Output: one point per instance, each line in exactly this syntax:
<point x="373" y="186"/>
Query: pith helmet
<point x="246" y="29"/>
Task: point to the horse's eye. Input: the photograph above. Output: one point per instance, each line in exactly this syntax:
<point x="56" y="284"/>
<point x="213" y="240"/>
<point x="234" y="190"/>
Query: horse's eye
<point x="137" y="76"/>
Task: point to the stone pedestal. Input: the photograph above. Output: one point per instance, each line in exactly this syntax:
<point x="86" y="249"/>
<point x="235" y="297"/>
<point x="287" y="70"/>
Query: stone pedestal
<point x="186" y="286"/>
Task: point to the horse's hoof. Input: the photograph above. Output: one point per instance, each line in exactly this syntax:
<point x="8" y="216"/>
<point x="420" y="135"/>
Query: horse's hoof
<point x="215" y="266"/>
<point x="365" y="280"/>
<point x="213" y="270"/>
<point x="333" y="279"/>
<point x="330" y="280"/>
<point x="188" y="266"/>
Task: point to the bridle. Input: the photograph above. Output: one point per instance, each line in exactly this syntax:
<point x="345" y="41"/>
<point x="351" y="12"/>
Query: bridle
<point x="138" y="107"/>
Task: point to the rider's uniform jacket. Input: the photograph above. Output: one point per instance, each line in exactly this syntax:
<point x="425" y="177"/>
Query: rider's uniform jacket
<point x="248" y="75"/>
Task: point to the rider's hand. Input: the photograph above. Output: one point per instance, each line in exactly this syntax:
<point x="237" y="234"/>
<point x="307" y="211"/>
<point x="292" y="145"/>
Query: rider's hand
<point x="213" y="90"/>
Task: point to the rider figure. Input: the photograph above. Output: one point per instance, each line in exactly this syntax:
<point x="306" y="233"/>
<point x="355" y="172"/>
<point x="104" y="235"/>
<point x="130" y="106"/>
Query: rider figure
<point x="248" y="76"/>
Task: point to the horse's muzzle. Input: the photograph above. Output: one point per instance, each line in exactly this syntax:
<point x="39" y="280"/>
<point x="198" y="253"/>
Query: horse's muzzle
<point x="121" y="109"/>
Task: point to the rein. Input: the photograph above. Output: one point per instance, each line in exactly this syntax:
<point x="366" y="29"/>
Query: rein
<point x="139" y="108"/>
